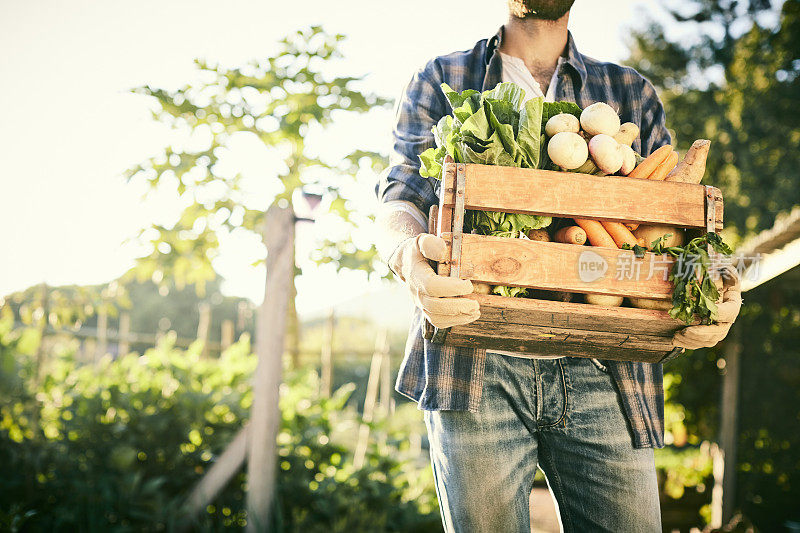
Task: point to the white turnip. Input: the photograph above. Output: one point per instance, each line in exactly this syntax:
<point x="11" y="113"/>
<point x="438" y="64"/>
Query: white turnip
<point x="627" y="133"/>
<point x="606" y="153"/>
<point x="604" y="300"/>
<point x="628" y="160"/>
<point x="562" y="122"/>
<point x="567" y="150"/>
<point x="647" y="303"/>
<point x="600" y="118"/>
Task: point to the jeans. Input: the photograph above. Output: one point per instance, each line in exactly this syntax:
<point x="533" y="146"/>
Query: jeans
<point x="562" y="415"/>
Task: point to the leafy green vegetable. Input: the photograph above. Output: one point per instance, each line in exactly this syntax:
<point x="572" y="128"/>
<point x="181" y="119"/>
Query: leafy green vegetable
<point x="511" y="292"/>
<point x="504" y="224"/>
<point x="530" y="138"/>
<point x="695" y="292"/>
<point x="492" y="128"/>
<point x="495" y="128"/>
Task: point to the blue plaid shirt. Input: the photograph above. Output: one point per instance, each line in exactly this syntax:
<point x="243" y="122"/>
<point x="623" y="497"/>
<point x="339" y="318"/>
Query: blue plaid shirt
<point x="449" y="378"/>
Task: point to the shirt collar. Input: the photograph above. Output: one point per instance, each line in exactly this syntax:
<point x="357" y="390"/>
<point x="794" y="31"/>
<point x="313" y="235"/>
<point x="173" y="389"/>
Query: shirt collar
<point x="574" y="58"/>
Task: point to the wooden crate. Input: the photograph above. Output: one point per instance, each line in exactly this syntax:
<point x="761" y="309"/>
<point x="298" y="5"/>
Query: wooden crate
<point x="551" y="327"/>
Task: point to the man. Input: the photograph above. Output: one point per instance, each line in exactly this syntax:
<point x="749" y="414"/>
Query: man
<point x="493" y="417"/>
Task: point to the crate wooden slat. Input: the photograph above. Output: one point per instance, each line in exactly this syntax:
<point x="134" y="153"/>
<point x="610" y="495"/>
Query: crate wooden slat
<point x="565" y="346"/>
<point x="529" y="311"/>
<point x="544" y="327"/>
<point x="555" y="266"/>
<point x="582" y="195"/>
<point x="547" y="327"/>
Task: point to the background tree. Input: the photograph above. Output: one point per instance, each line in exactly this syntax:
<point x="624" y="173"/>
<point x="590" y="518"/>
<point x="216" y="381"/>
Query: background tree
<point x="272" y="105"/>
<point x="728" y="72"/>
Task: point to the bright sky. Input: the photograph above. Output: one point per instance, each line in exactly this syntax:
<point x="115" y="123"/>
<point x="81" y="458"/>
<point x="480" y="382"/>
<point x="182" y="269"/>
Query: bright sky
<point x="70" y="126"/>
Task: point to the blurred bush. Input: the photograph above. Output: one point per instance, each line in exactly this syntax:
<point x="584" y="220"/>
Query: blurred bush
<point x="118" y="445"/>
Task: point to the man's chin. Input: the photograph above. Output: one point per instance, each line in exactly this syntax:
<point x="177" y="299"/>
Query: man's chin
<point x="539" y="9"/>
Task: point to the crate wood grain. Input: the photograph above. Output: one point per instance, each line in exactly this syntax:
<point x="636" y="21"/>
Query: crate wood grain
<point x="547" y="327"/>
<point x="512" y="190"/>
<point x="543" y="327"/>
<point x="563" y="267"/>
<point x="533" y="312"/>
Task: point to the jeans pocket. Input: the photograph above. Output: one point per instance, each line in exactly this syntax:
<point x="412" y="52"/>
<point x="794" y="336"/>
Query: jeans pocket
<point x="600" y="366"/>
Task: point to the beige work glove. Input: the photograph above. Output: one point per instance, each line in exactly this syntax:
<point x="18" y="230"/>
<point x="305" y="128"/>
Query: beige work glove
<point x="694" y="337"/>
<point x="437" y="296"/>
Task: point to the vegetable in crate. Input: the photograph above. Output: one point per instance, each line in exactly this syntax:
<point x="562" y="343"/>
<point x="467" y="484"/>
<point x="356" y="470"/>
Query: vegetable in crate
<point x="490" y="128"/>
<point x="695" y="293"/>
<point x="493" y="128"/>
<point x="693" y="166"/>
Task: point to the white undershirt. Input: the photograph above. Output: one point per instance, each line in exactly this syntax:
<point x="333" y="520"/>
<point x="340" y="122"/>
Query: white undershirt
<point x="514" y="70"/>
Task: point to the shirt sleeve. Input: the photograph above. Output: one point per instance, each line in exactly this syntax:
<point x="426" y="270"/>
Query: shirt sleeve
<point x="653" y="132"/>
<point x="420" y="107"/>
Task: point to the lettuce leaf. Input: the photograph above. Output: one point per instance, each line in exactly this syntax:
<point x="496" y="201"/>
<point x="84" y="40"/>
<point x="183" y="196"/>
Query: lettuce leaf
<point x="495" y="128"/>
<point x="530" y="126"/>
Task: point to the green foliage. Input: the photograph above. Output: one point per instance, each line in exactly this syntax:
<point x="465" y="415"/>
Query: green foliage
<point x="69" y="306"/>
<point x="117" y="446"/>
<point x="275" y="103"/>
<point x="695" y="293"/>
<point x="768" y="477"/>
<point x="683" y="468"/>
<point x="736" y="83"/>
<point x="150" y="304"/>
<point x="321" y="491"/>
<point x="727" y="75"/>
<point x="489" y="128"/>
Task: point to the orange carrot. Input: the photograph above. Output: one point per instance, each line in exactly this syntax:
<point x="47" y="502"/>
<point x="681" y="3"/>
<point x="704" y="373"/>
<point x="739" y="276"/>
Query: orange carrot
<point x="649" y="164"/>
<point x="571" y="235"/>
<point x="620" y="233"/>
<point x="596" y="233"/>
<point x="663" y="169"/>
<point x="631" y="226"/>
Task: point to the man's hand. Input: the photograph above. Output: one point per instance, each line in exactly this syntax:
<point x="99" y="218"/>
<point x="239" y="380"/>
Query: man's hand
<point x="437" y="296"/>
<point x="695" y="337"/>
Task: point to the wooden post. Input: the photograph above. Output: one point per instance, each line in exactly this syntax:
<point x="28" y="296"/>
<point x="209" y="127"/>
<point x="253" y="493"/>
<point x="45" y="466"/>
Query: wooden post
<point x="293" y="329"/>
<point x="228" y="333"/>
<point x="723" y="496"/>
<point x="369" y="402"/>
<point x="224" y="468"/>
<point x="241" y="316"/>
<point x="326" y="355"/>
<point x="386" y="402"/>
<point x="123" y="344"/>
<point x="102" y="334"/>
<point x="278" y="235"/>
<point x="386" y="383"/>
<point x="203" y="325"/>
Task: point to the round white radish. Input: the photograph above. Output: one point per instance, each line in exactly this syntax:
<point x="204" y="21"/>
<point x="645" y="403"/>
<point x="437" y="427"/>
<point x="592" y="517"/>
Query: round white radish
<point x="481" y="288"/>
<point x="606" y="153"/>
<point x="600" y="118"/>
<point x="562" y="122"/>
<point x="567" y="150"/>
<point x="628" y="159"/>
<point x="604" y="300"/>
<point x="647" y="303"/>
<point x="627" y="133"/>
